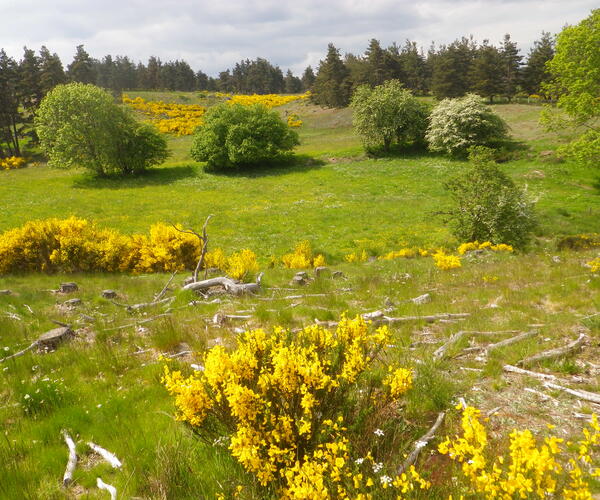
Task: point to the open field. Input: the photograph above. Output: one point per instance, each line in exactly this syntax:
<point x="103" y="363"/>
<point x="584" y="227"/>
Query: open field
<point x="104" y="385"/>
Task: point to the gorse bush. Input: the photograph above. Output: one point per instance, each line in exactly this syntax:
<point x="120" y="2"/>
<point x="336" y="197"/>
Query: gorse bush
<point x="302" y="257"/>
<point x="234" y="135"/>
<point x="79" y="125"/>
<point x="457" y="124"/>
<point x="388" y="114"/>
<point x="12" y="163"/>
<point x="73" y="244"/>
<point x="489" y="206"/>
<point x="282" y="401"/>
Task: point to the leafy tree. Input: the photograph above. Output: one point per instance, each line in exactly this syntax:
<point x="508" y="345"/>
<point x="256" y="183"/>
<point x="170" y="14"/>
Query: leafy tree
<point x="52" y="72"/>
<point x="511" y="67"/>
<point x="308" y="78"/>
<point x="332" y="85"/>
<point x="575" y="71"/>
<point x="388" y="113"/>
<point x="82" y="67"/>
<point x="457" y="124"/>
<point x="80" y="125"/>
<point x="236" y="135"/>
<point x="535" y="71"/>
<point x="486" y="71"/>
<point x="10" y="116"/>
<point x="488" y="204"/>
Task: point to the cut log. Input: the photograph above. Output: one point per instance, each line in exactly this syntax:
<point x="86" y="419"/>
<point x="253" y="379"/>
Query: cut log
<point x="320" y="270"/>
<point x="421" y="443"/>
<point x="109" y="294"/>
<point x="50" y="340"/>
<point x="107" y="487"/>
<point x="5" y="292"/>
<point x="228" y="284"/>
<point x="570" y="348"/>
<point x="68" y="287"/>
<point x="521" y="371"/>
<point x="72" y="461"/>
<point x="585" y="395"/>
<point x="106" y="455"/>
<point x="72" y="302"/>
<point x="421" y="299"/>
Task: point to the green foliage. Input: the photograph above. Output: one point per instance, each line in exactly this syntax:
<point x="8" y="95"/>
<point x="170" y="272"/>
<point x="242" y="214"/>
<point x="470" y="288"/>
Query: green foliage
<point x="332" y="85"/>
<point x="457" y="124"/>
<point x="386" y="114"/>
<point x="575" y="71"/>
<point x="236" y="135"/>
<point x="535" y="71"/>
<point x="80" y="125"/>
<point x="487" y="65"/>
<point x="488" y="205"/>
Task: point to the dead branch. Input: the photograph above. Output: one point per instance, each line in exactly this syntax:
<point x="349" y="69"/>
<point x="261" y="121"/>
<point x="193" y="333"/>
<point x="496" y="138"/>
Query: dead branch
<point x="555" y="353"/>
<point x="140" y="322"/>
<point x="585" y="395"/>
<point x="20" y="353"/>
<point x="510" y="341"/>
<point x="441" y="351"/>
<point x="228" y="284"/>
<point x="49" y="340"/>
<point x="161" y="294"/>
<point x="545" y="397"/>
<point x="111" y="489"/>
<point x="72" y="462"/>
<point x="421" y="443"/>
<point x="203" y="243"/>
<point x="378" y="318"/>
<point x="106" y="455"/>
<point x="521" y="371"/>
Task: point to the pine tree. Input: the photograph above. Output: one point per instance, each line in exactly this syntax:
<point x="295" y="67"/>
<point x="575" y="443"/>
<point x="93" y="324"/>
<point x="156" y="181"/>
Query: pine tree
<point x="293" y="84"/>
<point x="412" y="67"/>
<point x="511" y="62"/>
<point x="487" y="71"/>
<point x="10" y="118"/>
<point x="82" y="67"/>
<point x="153" y="73"/>
<point x="535" y="71"/>
<point x="30" y="86"/>
<point x="308" y="78"/>
<point x="51" y="70"/>
<point x="378" y="64"/>
<point x="451" y="69"/>
<point x="332" y="85"/>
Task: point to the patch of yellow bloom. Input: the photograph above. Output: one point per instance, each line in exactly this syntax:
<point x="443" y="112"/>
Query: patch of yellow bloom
<point x="169" y="118"/>
<point x="12" y="162"/>
<point x="445" y="261"/>
<point x="279" y="396"/>
<point x="529" y="470"/>
<point x="268" y="100"/>
<point x="595" y="265"/>
<point x="302" y="257"/>
<point x="357" y="257"/>
<point x="486" y="245"/>
<point x="294" y="120"/>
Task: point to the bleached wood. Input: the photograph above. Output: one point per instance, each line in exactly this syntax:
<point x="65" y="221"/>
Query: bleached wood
<point x="510" y="341"/>
<point x="555" y="353"/>
<point x="585" y="395"/>
<point x="455" y="338"/>
<point x="108" y="487"/>
<point x="106" y="455"/>
<point x="521" y="371"/>
<point x="72" y="461"/>
<point x="421" y="443"/>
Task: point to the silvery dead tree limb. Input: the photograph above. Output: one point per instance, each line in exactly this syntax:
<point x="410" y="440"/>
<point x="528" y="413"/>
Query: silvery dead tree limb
<point x="203" y="241"/>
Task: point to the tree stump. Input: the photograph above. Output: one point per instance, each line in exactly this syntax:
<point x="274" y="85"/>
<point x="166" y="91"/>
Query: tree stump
<point x="68" y="287"/>
<point x="5" y="292"/>
<point x="109" y="294"/>
<point x="52" y="339"/>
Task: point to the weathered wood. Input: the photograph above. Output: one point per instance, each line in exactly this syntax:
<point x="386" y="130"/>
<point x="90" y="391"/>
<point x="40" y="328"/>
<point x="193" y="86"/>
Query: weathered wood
<point x="521" y="371"/>
<point x="455" y="338"/>
<point x="161" y="294"/>
<point x="68" y="287"/>
<point x="107" y="487"/>
<point x="203" y="244"/>
<point x="570" y="348"/>
<point x="5" y="292"/>
<point x="228" y="284"/>
<point x="72" y="461"/>
<point x="512" y="340"/>
<point x="51" y="339"/>
<point x="109" y="294"/>
<point x="421" y="443"/>
<point x="106" y="455"/>
<point x="585" y="395"/>
<point x="379" y="319"/>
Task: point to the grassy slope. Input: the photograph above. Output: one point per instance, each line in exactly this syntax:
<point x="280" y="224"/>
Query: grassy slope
<point x="113" y="397"/>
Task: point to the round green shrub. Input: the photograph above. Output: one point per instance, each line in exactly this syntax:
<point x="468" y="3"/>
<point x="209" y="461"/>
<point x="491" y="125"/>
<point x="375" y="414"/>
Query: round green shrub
<point x="457" y="124"/>
<point x="235" y="135"/>
<point x="79" y="125"/>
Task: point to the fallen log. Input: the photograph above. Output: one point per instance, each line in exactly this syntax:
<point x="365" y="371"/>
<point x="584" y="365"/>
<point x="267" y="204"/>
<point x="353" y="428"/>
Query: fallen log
<point x="106" y="455"/>
<point x="47" y="341"/>
<point x="228" y="284"/>
<point x="72" y="461"/>
<point x="421" y="443"/>
<point x="510" y="341"/>
<point x="136" y="323"/>
<point x="455" y="338"/>
<point x="585" y="395"/>
<point x="378" y="318"/>
<point x="555" y="353"/>
<point x="521" y="371"/>
<point x="161" y="294"/>
<point x="108" y="487"/>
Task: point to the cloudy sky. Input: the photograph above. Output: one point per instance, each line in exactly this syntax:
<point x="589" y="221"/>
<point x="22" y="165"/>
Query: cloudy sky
<point x="214" y="34"/>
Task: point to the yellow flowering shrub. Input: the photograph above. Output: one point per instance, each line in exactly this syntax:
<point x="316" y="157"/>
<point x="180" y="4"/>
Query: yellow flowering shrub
<point x="486" y="245"/>
<point x="595" y="265"/>
<point x="12" y="162"/>
<point x="294" y="120"/>
<point x="283" y="398"/>
<point x="357" y="257"/>
<point x="445" y="261"/>
<point x="268" y="100"/>
<point x="302" y="257"/>
<point x="241" y="263"/>
<point x="531" y="469"/>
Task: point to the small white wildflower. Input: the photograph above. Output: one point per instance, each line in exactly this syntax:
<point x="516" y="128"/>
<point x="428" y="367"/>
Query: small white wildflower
<point x="27" y="396"/>
<point x="359" y="461"/>
<point x="7" y="348"/>
<point x="99" y="405"/>
<point x="377" y="467"/>
<point x="385" y="480"/>
<point x="378" y="432"/>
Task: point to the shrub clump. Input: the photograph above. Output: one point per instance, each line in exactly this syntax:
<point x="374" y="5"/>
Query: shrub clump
<point x="80" y="125"/>
<point x="488" y="204"/>
<point x="282" y="401"/>
<point x="302" y="257"/>
<point x="235" y="135"/>
<point x="388" y="114"/>
<point x="457" y="124"/>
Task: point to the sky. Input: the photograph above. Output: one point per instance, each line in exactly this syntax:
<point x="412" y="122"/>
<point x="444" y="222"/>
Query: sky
<point x="214" y="35"/>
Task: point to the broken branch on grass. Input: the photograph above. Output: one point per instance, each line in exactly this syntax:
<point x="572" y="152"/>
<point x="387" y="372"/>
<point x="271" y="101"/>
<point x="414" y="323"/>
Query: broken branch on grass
<point x="421" y="443"/>
<point x="161" y="294"/>
<point x="106" y="455"/>
<point x="585" y="395"/>
<point x="48" y="340"/>
<point x="228" y="284"/>
<point x="108" y="487"/>
<point x="521" y="371"/>
<point x="455" y="338"/>
<point x="140" y="322"/>
<point x="72" y="462"/>
<point x="555" y="353"/>
<point x="378" y="317"/>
